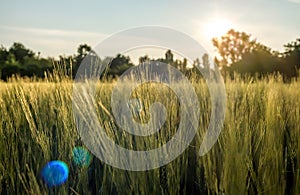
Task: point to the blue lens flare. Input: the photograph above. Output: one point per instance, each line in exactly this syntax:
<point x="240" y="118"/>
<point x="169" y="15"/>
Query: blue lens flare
<point x="81" y="157"/>
<point x="55" y="173"/>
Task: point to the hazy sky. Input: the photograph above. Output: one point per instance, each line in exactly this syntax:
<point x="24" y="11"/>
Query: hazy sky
<point x="59" y="26"/>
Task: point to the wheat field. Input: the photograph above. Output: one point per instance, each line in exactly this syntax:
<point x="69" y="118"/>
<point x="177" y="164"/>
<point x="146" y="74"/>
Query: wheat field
<point x="258" y="151"/>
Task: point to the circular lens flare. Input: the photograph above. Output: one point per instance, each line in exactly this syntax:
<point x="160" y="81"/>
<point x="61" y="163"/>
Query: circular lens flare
<point x="55" y="173"/>
<point x="81" y="157"/>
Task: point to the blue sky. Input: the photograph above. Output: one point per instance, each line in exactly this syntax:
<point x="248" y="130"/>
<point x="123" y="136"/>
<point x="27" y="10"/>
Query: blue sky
<point x="59" y="26"/>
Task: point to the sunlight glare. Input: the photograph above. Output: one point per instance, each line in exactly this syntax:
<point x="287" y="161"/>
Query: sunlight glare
<point x="217" y="28"/>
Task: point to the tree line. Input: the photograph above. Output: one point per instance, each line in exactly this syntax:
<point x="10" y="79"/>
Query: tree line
<point x="237" y="52"/>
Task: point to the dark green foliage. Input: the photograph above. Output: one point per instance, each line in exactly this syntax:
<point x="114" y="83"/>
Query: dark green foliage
<point x="119" y="64"/>
<point x="292" y="54"/>
<point x="20" y="52"/>
<point x="239" y="52"/>
<point x="19" y="60"/>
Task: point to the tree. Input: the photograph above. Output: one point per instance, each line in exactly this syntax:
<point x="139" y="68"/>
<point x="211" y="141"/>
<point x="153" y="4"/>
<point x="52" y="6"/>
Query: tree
<point x="119" y="64"/>
<point x="239" y="52"/>
<point x="83" y="50"/>
<point x="35" y="67"/>
<point x="19" y="60"/>
<point x="3" y="55"/>
<point x="8" y="70"/>
<point x="20" y="52"/>
<point x="262" y="61"/>
<point x="258" y="61"/>
<point x="292" y="53"/>
<point x="232" y="46"/>
<point x="74" y="62"/>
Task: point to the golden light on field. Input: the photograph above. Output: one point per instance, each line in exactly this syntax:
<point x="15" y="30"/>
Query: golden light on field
<point x="217" y="28"/>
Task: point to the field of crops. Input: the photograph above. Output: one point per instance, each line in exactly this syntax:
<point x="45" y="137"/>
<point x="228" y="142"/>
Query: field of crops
<point x="258" y="151"/>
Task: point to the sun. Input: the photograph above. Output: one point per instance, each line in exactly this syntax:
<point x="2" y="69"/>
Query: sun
<point x="217" y="28"/>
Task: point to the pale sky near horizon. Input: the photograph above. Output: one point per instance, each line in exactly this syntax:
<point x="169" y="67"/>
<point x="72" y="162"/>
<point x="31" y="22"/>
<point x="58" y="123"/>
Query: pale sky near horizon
<point x="58" y="27"/>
